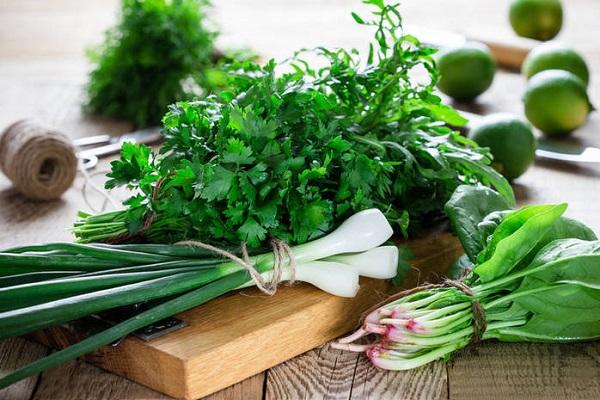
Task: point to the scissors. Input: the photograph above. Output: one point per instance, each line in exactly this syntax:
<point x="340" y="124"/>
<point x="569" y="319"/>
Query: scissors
<point x="91" y="148"/>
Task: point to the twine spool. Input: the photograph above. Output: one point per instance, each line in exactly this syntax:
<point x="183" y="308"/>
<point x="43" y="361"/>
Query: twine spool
<point x="40" y="162"/>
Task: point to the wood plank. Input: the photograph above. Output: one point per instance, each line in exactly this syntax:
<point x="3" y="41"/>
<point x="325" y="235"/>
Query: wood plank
<point x="15" y="353"/>
<point x="425" y="383"/>
<point x="333" y="374"/>
<point x="319" y="373"/>
<point x="78" y="380"/>
<point x="248" y="389"/>
<point x="526" y="371"/>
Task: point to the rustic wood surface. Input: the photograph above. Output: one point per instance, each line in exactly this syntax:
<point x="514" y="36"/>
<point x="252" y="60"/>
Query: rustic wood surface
<point x="42" y="69"/>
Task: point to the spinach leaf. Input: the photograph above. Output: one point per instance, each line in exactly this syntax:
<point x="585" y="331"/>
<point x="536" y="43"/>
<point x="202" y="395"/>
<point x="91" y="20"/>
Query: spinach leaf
<point x="565" y="261"/>
<point x="565" y="302"/>
<point x="467" y="209"/>
<point x="493" y="180"/>
<point x="515" y="237"/>
<point x="565" y="228"/>
<point x="541" y="329"/>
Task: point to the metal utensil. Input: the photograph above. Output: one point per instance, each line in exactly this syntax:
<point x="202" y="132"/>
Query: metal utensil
<point x="109" y="145"/>
<point x="556" y="150"/>
<point x="568" y="152"/>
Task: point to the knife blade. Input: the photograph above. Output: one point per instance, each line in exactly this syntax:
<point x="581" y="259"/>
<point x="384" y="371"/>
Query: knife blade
<point x="555" y="150"/>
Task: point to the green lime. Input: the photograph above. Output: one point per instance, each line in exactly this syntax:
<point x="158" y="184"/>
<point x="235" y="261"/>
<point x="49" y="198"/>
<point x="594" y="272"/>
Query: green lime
<point x="510" y="141"/>
<point x="556" y="102"/>
<point x="536" y="19"/>
<point x="553" y="55"/>
<point x="467" y="71"/>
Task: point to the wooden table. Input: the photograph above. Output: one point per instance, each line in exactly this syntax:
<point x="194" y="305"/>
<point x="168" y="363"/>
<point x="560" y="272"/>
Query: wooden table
<point x="42" y="69"/>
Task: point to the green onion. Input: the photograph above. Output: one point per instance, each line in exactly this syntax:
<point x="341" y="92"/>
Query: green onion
<point x="32" y="301"/>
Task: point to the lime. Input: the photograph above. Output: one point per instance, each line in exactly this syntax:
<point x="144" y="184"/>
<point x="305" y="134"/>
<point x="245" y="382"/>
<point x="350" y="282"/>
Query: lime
<point x="466" y="71"/>
<point x="536" y="19"/>
<point x="556" y="102"/>
<point x="510" y="141"/>
<point x="553" y="55"/>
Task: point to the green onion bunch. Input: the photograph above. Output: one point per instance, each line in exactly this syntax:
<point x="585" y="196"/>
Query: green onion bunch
<point x="536" y="279"/>
<point x="46" y="285"/>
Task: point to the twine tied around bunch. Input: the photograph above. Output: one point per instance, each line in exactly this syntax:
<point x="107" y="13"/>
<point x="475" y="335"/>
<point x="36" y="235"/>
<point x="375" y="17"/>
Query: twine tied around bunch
<point x="40" y="162"/>
<point x="283" y="256"/>
<point x="479" y="320"/>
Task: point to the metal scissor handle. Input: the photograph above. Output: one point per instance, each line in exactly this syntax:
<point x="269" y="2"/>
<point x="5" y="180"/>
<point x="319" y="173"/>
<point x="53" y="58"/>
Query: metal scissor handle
<point x="87" y="160"/>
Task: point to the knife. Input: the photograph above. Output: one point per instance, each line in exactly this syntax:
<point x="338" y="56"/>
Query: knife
<point x="555" y="150"/>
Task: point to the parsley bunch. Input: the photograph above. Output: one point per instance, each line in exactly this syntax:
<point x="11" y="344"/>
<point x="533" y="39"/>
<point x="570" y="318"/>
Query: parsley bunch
<point x="155" y="56"/>
<point x="292" y="154"/>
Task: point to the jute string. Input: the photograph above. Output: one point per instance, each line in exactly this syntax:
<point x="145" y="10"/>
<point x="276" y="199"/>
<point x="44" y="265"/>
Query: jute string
<point x="282" y="256"/>
<point x="479" y="320"/>
<point x="40" y="162"/>
<point x="88" y="181"/>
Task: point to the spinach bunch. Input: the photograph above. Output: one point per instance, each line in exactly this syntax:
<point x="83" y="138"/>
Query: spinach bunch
<point x="291" y="150"/>
<point x="538" y="272"/>
<point x="156" y="55"/>
<point x="532" y="275"/>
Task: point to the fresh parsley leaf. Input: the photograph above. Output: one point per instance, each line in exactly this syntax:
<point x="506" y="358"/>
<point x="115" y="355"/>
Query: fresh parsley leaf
<point x="292" y="152"/>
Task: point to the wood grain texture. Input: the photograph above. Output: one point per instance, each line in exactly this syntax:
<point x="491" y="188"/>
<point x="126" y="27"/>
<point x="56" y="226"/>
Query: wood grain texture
<point x="526" y="371"/>
<point x="78" y="380"/>
<point x="15" y="353"/>
<point x="42" y="68"/>
<point x="319" y="373"/>
<point x="333" y="374"/>
<point x="248" y="389"/>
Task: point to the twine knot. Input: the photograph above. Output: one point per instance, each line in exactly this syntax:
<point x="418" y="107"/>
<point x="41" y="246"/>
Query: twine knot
<point x="479" y="321"/>
<point x="283" y="256"/>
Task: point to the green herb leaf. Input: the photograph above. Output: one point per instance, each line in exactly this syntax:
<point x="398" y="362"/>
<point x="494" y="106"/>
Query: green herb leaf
<point x="297" y="150"/>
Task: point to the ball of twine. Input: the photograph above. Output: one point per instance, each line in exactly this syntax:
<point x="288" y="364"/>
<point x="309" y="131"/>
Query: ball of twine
<point x="40" y="162"/>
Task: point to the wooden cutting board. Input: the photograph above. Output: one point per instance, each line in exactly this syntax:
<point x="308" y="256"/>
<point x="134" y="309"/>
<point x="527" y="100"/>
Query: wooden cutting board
<point x="241" y="334"/>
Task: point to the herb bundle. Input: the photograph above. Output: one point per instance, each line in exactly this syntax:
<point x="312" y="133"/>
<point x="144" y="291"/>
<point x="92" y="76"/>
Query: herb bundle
<point x="157" y="54"/>
<point x="534" y="276"/>
<point x="45" y="285"/>
<point x="289" y="150"/>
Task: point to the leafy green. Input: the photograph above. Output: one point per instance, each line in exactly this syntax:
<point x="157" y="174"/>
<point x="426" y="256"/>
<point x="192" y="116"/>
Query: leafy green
<point x="290" y="151"/>
<point x="515" y="237"/>
<point x="156" y="55"/>
<point x="541" y="329"/>
<point x="467" y="209"/>
<point x="534" y="279"/>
